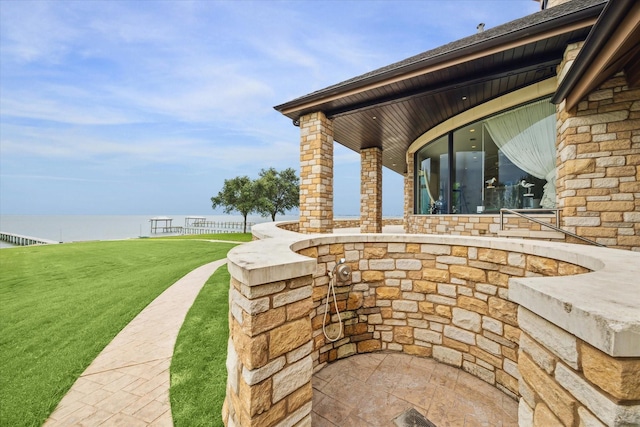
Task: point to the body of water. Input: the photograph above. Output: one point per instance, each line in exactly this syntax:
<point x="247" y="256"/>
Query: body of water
<point x="74" y="228"/>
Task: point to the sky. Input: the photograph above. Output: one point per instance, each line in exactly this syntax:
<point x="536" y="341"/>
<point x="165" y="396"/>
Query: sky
<point x="146" y="107"/>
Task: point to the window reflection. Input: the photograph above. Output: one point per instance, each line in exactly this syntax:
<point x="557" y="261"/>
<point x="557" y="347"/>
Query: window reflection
<point x="487" y="174"/>
<point x="433" y="177"/>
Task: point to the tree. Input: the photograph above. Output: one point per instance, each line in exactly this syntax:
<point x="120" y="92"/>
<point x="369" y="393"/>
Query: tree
<point x="279" y="191"/>
<point x="238" y="194"/>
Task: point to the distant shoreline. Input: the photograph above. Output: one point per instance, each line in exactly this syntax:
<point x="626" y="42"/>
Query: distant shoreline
<point x="82" y="228"/>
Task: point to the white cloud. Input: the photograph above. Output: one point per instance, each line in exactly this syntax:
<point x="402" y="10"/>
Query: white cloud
<point x="78" y="111"/>
<point x="34" y="31"/>
<point x="149" y="148"/>
<point x="159" y="88"/>
<point x="56" y="178"/>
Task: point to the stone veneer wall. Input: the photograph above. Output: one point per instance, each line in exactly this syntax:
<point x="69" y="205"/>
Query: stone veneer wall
<point x="268" y="357"/>
<point x="477" y="303"/>
<point x="371" y="190"/>
<point x="477" y="225"/>
<point x="598" y="162"/>
<point x="342" y="223"/>
<point x="443" y="301"/>
<point x="316" y="174"/>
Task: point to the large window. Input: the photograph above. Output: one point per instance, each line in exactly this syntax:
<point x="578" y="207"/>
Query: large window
<point x="507" y="160"/>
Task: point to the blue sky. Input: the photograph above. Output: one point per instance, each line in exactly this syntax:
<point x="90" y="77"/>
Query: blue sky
<point x="145" y="107"/>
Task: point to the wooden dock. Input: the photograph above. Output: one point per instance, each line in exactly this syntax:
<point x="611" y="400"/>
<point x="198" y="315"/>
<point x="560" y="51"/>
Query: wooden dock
<point x="163" y="224"/>
<point x="196" y="225"/>
<point x="214" y="230"/>
<point x="21" y="240"/>
<point x="200" y="225"/>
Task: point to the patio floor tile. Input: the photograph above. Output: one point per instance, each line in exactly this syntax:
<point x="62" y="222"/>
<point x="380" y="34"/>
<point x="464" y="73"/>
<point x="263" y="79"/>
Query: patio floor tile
<point x="373" y="389"/>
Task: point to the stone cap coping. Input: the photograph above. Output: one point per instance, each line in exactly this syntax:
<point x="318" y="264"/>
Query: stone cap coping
<point x="601" y="307"/>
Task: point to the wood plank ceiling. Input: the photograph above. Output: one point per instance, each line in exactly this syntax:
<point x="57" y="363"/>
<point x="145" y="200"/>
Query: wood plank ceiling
<point x="392" y="115"/>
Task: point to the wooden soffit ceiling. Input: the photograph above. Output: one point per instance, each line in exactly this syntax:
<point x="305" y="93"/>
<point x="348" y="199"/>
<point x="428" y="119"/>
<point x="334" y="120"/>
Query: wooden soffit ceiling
<point x="393" y="108"/>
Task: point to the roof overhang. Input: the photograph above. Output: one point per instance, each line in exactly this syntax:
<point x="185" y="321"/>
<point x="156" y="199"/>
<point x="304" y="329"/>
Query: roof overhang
<point x="391" y="107"/>
<point x="613" y="45"/>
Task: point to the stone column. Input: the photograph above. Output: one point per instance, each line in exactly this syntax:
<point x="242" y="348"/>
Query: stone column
<point x="371" y="190"/>
<point x="598" y="159"/>
<point x="409" y="195"/>
<point x="269" y="363"/>
<point x="316" y="174"/>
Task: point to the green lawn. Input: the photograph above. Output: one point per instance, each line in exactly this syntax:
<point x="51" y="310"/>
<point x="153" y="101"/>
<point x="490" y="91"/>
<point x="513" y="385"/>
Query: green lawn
<point x="61" y="304"/>
<point x="198" y="368"/>
<point x="229" y="237"/>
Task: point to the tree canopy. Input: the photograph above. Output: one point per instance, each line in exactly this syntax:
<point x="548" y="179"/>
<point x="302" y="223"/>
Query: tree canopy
<point x="237" y="194"/>
<point x="279" y="191"/>
<point x="274" y="192"/>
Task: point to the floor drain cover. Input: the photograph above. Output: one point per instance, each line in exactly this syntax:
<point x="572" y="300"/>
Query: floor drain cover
<point x="412" y="418"/>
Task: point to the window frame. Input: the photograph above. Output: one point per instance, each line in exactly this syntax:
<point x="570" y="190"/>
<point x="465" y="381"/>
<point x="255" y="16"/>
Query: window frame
<point x="451" y="158"/>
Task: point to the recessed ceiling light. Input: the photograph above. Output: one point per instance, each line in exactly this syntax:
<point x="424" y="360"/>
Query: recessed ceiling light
<point x="374" y="117"/>
<point x="464" y="98"/>
<point x="472" y="130"/>
<point x="473" y="146"/>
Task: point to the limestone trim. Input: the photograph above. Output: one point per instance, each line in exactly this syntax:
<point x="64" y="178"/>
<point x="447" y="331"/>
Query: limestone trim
<point x="603" y="313"/>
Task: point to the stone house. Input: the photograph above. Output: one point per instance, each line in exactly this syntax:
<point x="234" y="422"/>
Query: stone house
<point x="554" y="326"/>
<point x="552" y="99"/>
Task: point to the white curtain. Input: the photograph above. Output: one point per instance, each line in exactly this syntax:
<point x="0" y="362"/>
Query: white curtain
<point x="527" y="136"/>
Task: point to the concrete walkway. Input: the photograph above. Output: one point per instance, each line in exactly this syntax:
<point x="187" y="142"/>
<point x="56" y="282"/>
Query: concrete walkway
<point x="128" y="383"/>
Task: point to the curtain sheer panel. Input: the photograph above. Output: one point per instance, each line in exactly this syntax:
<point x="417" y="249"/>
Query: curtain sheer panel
<point x="527" y="136"/>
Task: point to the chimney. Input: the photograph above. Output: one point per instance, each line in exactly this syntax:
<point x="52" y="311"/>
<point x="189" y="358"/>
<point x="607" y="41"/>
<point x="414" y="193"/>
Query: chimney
<point x="480" y="27"/>
<point x="545" y="4"/>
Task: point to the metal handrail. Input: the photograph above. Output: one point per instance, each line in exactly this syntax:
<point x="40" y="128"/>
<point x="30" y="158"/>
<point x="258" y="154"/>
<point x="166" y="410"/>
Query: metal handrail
<point x="545" y="224"/>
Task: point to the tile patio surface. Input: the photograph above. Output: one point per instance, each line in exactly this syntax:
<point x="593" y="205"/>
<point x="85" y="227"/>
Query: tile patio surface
<point x="373" y="389"/>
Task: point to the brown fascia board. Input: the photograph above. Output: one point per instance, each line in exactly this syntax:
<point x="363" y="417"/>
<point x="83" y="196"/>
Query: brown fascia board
<point x="562" y="24"/>
<point x="618" y="22"/>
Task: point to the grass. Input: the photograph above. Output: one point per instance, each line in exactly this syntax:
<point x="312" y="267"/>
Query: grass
<point x="198" y="369"/>
<point x="61" y="305"/>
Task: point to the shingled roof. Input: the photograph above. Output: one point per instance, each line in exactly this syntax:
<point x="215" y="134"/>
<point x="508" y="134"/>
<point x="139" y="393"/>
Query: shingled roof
<point x="521" y="27"/>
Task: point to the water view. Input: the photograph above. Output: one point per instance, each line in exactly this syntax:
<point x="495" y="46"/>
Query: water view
<point x="74" y="228"/>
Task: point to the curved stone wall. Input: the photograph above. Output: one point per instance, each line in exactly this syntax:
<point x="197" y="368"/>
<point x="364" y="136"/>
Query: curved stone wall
<point x="555" y="325"/>
<point x="447" y="301"/>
